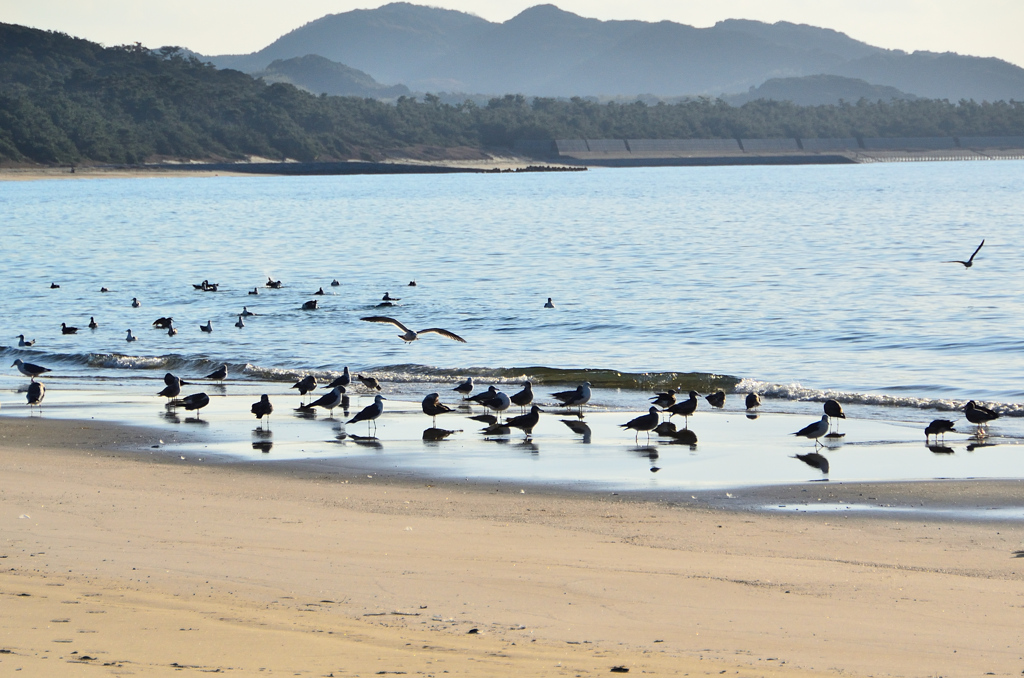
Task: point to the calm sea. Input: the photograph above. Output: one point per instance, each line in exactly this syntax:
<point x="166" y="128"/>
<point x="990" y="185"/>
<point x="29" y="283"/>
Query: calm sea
<point x="795" y="281"/>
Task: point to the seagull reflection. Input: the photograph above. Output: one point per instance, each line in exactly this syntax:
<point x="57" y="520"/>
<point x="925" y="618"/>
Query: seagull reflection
<point x="196" y="420"/>
<point x="814" y="460"/>
<point x="684" y="437"/>
<point x="488" y="419"/>
<point x="528" y="446"/>
<point x="262" y="433"/>
<point x="367" y="441"/>
<point x="579" y="427"/>
<point x="665" y="429"/>
<point x="432" y="435"/>
<point x="170" y="415"/>
<point x="304" y="413"/>
<point x="973" y="446"/>
<point x="646" y="451"/>
<point x="262" y="445"/>
<point x="497" y="430"/>
<point x="941" y="449"/>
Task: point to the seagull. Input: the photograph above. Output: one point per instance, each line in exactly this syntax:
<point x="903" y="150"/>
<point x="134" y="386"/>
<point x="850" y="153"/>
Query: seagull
<point x="369" y="382"/>
<point x="54" y="286"/>
<point x="834" y="410"/>
<point x="499" y="403"/>
<point x="976" y="414"/>
<point x="24" y="344"/>
<point x="549" y="304"/>
<point x="163" y="323"/>
<point x="131" y="337"/>
<point x="465" y="387"/>
<point x="319" y="293"/>
<point x="173" y="388"/>
<point x="262" y="409"/>
<point x="104" y="289"/>
<point x="196" y="401"/>
<point x="92" y="323"/>
<point x="432" y="406"/>
<point x="136" y="303"/>
<point x="220" y="373"/>
<point x="666" y="399"/>
<point x="306" y="384"/>
<point x="938" y="427"/>
<point x="28" y="369"/>
<point x="328" y="401"/>
<point x="36" y="391"/>
<point x="753" y="401"/>
<point x="239" y="324"/>
<point x="344" y="380"/>
<point x="171" y="331"/>
<point x="969" y="262"/>
<point x="254" y="291"/>
<point x="273" y="284"/>
<point x="335" y="283"/>
<point x="412" y="283"/>
<point x="685" y="408"/>
<point x="208" y="327"/>
<point x="526" y="422"/>
<point x="387" y="297"/>
<point x="484" y="396"/>
<point x="64" y="329"/>
<point x="310" y="305"/>
<point x="524" y="397"/>
<point x="246" y="312"/>
<point x="170" y="380"/>
<point x="646" y="422"/>
<point x="577" y="398"/>
<point x="370" y="413"/>
<point x="409" y="334"/>
<point x="815" y="430"/>
<point x="716" y="399"/>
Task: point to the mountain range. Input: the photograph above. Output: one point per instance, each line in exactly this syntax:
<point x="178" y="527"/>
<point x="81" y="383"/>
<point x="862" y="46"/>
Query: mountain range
<point x="545" y="51"/>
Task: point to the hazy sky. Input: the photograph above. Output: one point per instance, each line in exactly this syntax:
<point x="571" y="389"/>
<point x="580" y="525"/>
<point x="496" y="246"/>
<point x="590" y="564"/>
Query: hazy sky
<point x="976" y="27"/>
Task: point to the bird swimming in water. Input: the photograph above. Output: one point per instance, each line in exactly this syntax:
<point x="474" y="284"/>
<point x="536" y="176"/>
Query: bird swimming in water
<point x="577" y="398"/>
<point x="432" y="406"/>
<point x="196" y="401"/>
<point x="246" y="312"/>
<point x="219" y="373"/>
<point x="319" y="293"/>
<point x="64" y="329"/>
<point x="969" y="262"/>
<point x="685" y="408"/>
<point x="92" y="323"/>
<point x="526" y="422"/>
<point x="645" y="422"/>
<point x="306" y="384"/>
<point x="753" y="401"/>
<point x="208" y="327"/>
<point x="465" y="387"/>
<point x="310" y="305"/>
<point x="328" y="401"/>
<point x="163" y="323"/>
<point x="239" y="323"/>
<point x="410" y="335"/>
<point x="387" y="297"/>
<point x="716" y="399"/>
<point x="369" y="382"/>
<point x="54" y="286"/>
<point x="23" y="343"/>
<point x="36" y="391"/>
<point x="274" y="284"/>
<point x="938" y="427"/>
<point x="28" y="369"/>
<point x="549" y="303"/>
<point x="412" y="283"/>
<point x="254" y="291"/>
<point x="370" y="413"/>
<point x="335" y="283"/>
<point x="104" y="289"/>
<point x="344" y="380"/>
<point x="136" y="303"/>
<point x="815" y="430"/>
<point x="131" y="337"/>
<point x="263" y="408"/>
<point x="171" y="331"/>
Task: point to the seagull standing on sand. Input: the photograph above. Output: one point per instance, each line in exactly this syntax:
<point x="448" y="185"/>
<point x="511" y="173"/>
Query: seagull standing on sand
<point x="411" y="335"/>
<point x="577" y="398"/>
<point x="369" y="382"/>
<point x="526" y="422"/>
<point x="196" y="401"/>
<point x="328" y="401"/>
<point x="646" y="422"/>
<point x="263" y="409"/>
<point x="370" y="413"/>
<point x="344" y="380"/>
<point x="969" y="262"/>
<point x="753" y="401"/>
<point x="219" y="373"/>
<point x="716" y="399"/>
<point x="977" y="414"/>
<point x="131" y="337"/>
<point x="465" y="388"/>
<point x="499" y="403"/>
<point x="432" y="406"/>
<point x="36" y="391"/>
<point x="305" y="385"/>
<point x="524" y="398"/>
<point x="25" y="344"/>
<point x="173" y="388"/>
<point x="938" y="427"/>
<point x="28" y="369"/>
<point x="834" y="410"/>
<point x="484" y="396"/>
<point x="685" y="408"/>
<point x="815" y="430"/>
<point x="664" y="400"/>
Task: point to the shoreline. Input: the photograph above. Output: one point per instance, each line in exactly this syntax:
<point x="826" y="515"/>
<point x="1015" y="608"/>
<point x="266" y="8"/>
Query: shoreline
<point x="151" y="564"/>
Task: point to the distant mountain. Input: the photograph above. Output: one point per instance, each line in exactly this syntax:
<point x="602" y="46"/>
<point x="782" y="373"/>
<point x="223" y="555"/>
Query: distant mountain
<point x="545" y="51"/>
<point x="819" y="90"/>
<point x="319" y="75"/>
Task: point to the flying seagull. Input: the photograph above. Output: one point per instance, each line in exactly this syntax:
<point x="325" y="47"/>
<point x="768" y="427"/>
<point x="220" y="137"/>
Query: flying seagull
<point x="410" y="335"/>
<point x="969" y="262"/>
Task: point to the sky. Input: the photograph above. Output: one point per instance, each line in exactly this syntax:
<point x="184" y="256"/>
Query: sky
<point x="978" y="27"/>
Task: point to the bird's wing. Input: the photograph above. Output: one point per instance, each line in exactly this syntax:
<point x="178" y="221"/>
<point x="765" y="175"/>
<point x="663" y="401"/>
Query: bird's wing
<point x="443" y="333"/>
<point x="977" y="250"/>
<point x="385" y="319"/>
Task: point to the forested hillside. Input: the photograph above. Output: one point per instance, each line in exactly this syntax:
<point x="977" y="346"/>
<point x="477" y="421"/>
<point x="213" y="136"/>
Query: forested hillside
<point x="67" y="100"/>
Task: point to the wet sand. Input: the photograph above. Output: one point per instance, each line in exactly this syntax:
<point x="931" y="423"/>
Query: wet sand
<point x="117" y="553"/>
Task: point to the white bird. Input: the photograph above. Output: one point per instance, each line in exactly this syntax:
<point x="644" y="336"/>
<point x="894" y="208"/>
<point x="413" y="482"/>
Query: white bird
<point x="815" y="430"/>
<point x="239" y="324"/>
<point x="22" y="343"/>
<point x="131" y="337"/>
<point x="370" y="412"/>
<point x="328" y="401"/>
<point x="208" y="327"/>
<point x="136" y="303"/>
<point x="28" y="369"/>
<point x="410" y="335"/>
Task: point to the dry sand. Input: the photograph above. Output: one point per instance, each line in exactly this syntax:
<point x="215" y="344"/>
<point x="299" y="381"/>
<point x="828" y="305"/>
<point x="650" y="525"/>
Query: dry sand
<point x="117" y="559"/>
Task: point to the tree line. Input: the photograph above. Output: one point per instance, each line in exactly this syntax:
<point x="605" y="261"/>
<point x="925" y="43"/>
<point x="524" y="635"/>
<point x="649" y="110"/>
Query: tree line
<point x="67" y="100"/>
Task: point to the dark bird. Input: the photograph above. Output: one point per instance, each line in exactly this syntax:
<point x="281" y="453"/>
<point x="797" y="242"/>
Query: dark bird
<point x="834" y="410"/>
<point x="549" y="303"/>
<point x="753" y="401"/>
<point x="686" y="407"/>
<point x="969" y="262"/>
<point x="310" y="305"/>
<point x="524" y="397"/>
<point x="664" y="400"/>
<point x="465" y="387"/>
<point x="577" y="398"/>
<point x="254" y="291"/>
<point x="499" y="403"/>
<point x="684" y="437"/>
<point x="64" y="329"/>
<point x="262" y="409"/>
<point x="319" y="293"/>
<point x="328" y="401"/>
<point x="28" y="369"/>
<point x="171" y="331"/>
<point x="246" y="312"/>
<point x="196" y="401"/>
<point x="716" y="399"/>
<point x="977" y="414"/>
<point x="344" y="380"/>
<point x="938" y="427"/>
<point x="306" y="384"/>
<point x="170" y="379"/>
<point x="488" y="419"/>
<point x="411" y="335"/>
<point x="814" y="460"/>
<point x="274" y="284"/>
<point x="104" y="289"/>
<point x="219" y="373"/>
<point x="412" y="283"/>
<point x="23" y="343"/>
<point x="201" y="286"/>
<point x="172" y="389"/>
<point x="163" y="323"/>
<point x="54" y="286"/>
<point x="665" y="428"/>
<point x="484" y="396"/>
<point x="36" y="391"/>
<point x="208" y="327"/>
<point x="815" y="430"/>
<point x="136" y="303"/>
<point x="92" y="323"/>
<point x="388" y="297"/>
<point x="239" y="323"/>
<point x="525" y="422"/>
<point x="335" y="283"/>
<point x="432" y="406"/>
<point x="370" y="413"/>
<point x="369" y="382"/>
<point x="578" y="427"/>
<point x="645" y="422"/>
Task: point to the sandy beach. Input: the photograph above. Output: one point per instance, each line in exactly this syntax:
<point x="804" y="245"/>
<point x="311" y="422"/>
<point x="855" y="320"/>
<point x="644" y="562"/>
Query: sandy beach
<point x="120" y="558"/>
